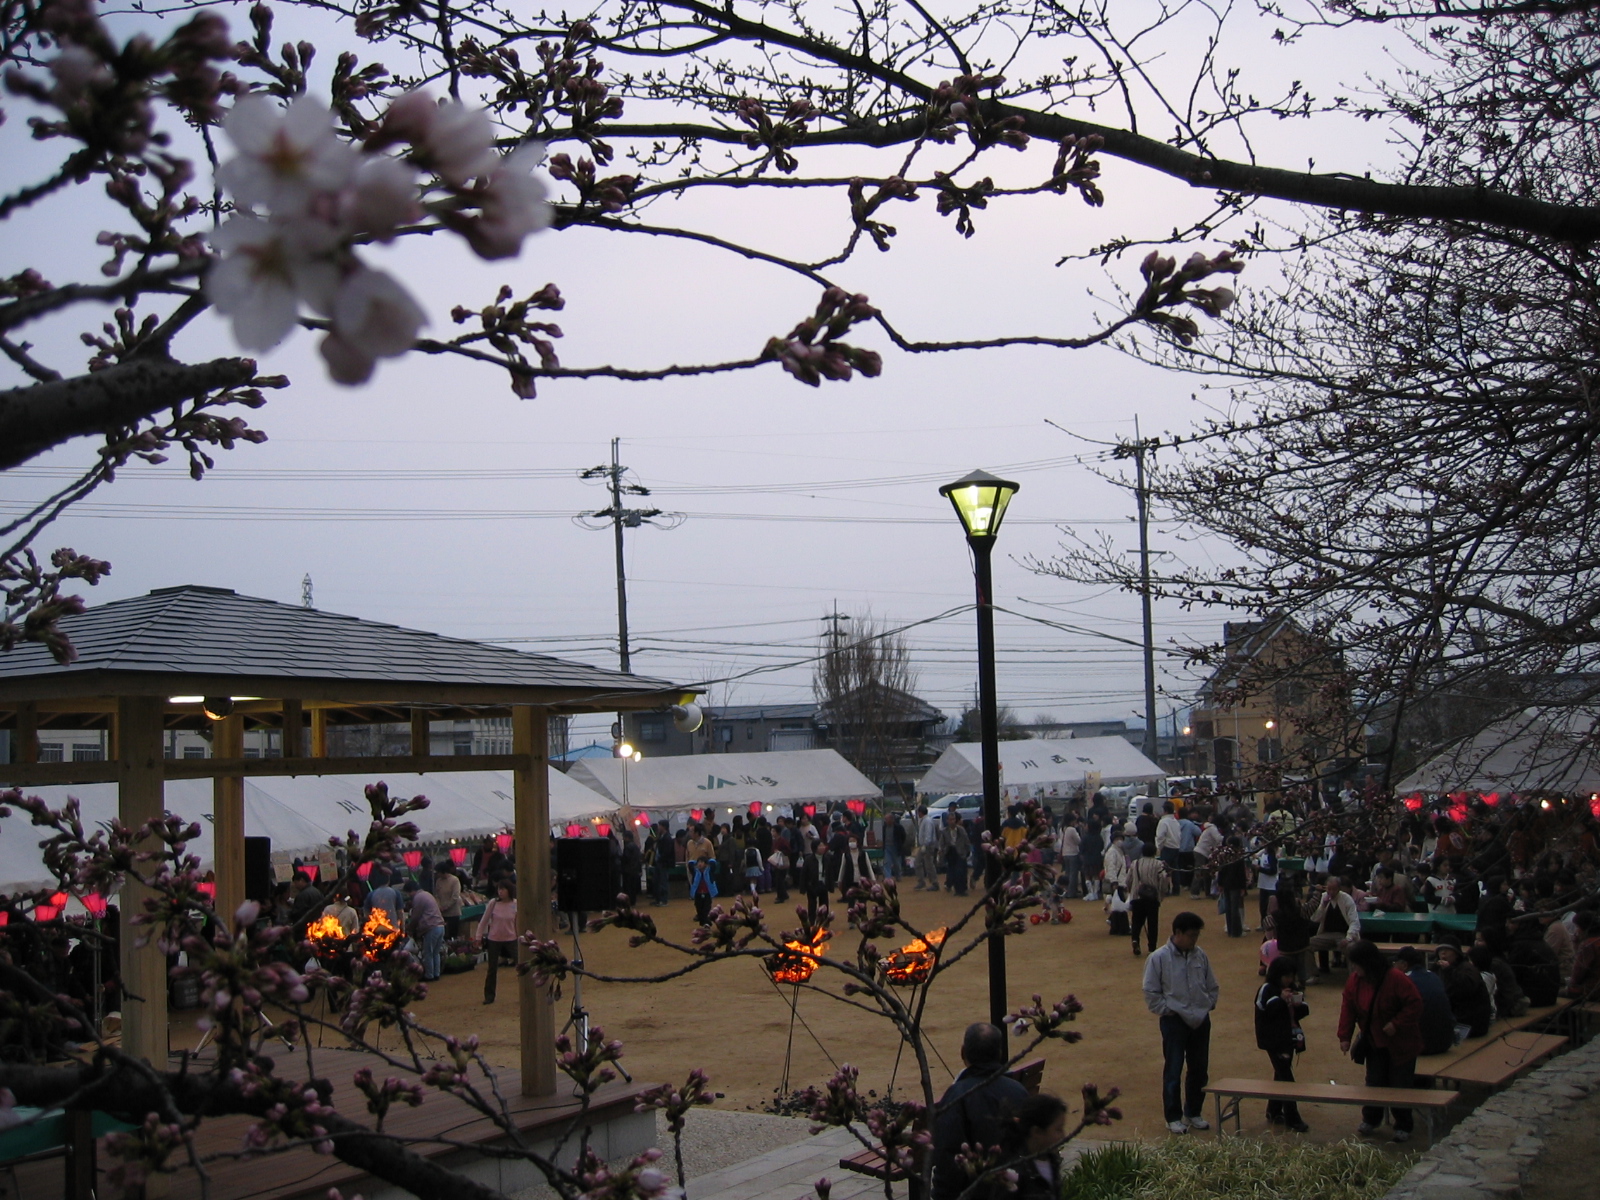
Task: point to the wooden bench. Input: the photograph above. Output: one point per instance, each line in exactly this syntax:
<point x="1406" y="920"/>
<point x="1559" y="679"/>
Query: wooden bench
<point x="1428" y="1100"/>
<point x="871" y="1162"/>
<point x="1499" y="1062"/>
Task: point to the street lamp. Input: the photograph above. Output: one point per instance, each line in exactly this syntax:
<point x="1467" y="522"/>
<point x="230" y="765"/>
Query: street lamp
<point x="980" y="502"/>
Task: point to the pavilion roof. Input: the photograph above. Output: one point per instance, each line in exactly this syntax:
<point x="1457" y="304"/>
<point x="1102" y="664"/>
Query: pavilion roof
<point x="214" y="636"/>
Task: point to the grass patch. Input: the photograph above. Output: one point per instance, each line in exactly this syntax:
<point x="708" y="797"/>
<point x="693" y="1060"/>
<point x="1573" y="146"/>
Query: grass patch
<point x="1233" y="1169"/>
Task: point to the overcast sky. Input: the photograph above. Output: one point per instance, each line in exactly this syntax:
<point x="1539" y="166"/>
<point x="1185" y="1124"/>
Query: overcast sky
<point x="434" y="499"/>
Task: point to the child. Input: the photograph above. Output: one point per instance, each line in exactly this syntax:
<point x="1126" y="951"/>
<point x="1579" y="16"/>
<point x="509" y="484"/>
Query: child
<point x="1117" y="910"/>
<point x="1280" y="1007"/>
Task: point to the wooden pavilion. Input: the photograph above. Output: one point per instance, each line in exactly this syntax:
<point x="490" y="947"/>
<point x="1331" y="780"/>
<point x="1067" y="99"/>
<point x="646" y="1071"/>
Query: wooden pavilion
<point x="160" y="661"/>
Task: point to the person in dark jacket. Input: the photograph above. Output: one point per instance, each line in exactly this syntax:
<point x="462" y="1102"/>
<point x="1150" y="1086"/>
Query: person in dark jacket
<point x="1438" y="1021"/>
<point x="810" y="880"/>
<point x="974" y="1109"/>
<point x="1495" y="911"/>
<point x="1509" y="998"/>
<point x="1035" y="1129"/>
<point x="1535" y="963"/>
<point x="1469" y="998"/>
<point x="1233" y="877"/>
<point x="1388" y="1007"/>
<point x="1280" y="1007"/>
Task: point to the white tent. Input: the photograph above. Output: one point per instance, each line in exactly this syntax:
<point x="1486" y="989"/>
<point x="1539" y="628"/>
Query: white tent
<point x="300" y="813"/>
<point x="727" y="780"/>
<point x="1038" y="764"/>
<point x="1534" y="751"/>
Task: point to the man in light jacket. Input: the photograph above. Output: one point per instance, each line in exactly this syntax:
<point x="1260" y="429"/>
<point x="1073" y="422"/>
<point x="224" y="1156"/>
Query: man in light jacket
<point x="1169" y="839"/>
<point x="927" y="851"/>
<point x="1180" y="988"/>
<point x="1338" y="923"/>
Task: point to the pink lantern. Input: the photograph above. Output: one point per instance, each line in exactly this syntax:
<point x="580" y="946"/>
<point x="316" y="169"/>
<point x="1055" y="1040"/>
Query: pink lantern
<point x="208" y="890"/>
<point x="458" y="855"/>
<point x="642" y="818"/>
<point x="96" y="904"/>
<point x="1413" y="803"/>
<point x="5" y="918"/>
<point x="810" y="810"/>
<point x="574" y="830"/>
<point x="502" y="842"/>
<point x="311" y="870"/>
<point x="1594" y="806"/>
<point x="603" y="829"/>
<point x="856" y="806"/>
<point x="755" y="808"/>
<point x="45" y="912"/>
<point x="413" y="858"/>
<point x="363" y="870"/>
<point x="59" y="900"/>
<point x="697" y="814"/>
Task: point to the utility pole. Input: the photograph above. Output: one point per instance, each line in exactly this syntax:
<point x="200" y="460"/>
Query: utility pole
<point x="1150" y="740"/>
<point x="305" y="592"/>
<point x="620" y="518"/>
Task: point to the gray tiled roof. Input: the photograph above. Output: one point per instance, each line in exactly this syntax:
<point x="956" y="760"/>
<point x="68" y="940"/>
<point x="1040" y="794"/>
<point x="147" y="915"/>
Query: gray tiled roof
<point x="215" y="632"/>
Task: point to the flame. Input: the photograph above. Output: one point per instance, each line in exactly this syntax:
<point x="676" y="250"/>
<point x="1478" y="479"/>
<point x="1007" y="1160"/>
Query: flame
<point x="327" y="937"/>
<point x="913" y="962"/>
<point x="797" y="961"/>
<point x="378" y="935"/>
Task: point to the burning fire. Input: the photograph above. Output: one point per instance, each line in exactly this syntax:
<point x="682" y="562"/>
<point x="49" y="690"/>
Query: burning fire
<point x="378" y="935"/>
<point x="913" y="962"/>
<point x="797" y="961"/>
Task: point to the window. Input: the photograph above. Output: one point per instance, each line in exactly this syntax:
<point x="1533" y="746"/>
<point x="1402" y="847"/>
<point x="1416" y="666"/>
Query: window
<point x="86" y="752"/>
<point x="463" y="741"/>
<point x="652" y="729"/>
<point x="252" y="752"/>
<point x="1203" y="731"/>
<point x="749" y="731"/>
<point x="49" y="751"/>
<point x="194" y="751"/>
<point x="1269" y="750"/>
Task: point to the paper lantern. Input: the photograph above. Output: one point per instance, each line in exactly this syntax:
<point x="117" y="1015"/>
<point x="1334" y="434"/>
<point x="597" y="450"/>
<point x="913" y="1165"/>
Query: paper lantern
<point x="809" y="809"/>
<point x="603" y="829"/>
<point x="59" y="900"/>
<point x="1594" y="806"/>
<point x="697" y="814"/>
<point x="208" y="890"/>
<point x="574" y="830"/>
<point x="363" y="870"/>
<point x="641" y="818"/>
<point x="5" y="918"/>
<point x="412" y="858"/>
<point x="96" y="904"/>
<point x="1492" y="799"/>
<point x="458" y="855"/>
<point x="755" y="808"/>
<point x="1413" y="803"/>
<point x="856" y="806"/>
<point x="45" y="912"/>
<point x="502" y="842"/>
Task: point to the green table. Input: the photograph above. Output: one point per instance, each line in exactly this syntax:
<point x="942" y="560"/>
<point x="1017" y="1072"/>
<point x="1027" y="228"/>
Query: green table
<point x="1406" y="926"/>
<point x="1455" y="922"/>
<point x="1291" y="864"/>
<point x="471" y="911"/>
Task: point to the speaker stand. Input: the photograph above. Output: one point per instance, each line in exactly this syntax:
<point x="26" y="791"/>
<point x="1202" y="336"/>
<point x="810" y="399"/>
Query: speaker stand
<point x="578" y="1020"/>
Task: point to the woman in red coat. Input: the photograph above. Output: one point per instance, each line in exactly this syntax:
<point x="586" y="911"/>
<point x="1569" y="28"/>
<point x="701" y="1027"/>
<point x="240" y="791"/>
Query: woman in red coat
<point x="1388" y="1008"/>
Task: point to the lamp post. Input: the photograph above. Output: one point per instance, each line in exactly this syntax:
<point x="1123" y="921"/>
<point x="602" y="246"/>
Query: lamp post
<point x="980" y="502"/>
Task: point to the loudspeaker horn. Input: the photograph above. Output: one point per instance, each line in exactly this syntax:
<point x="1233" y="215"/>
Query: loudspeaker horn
<point x="686" y="718"/>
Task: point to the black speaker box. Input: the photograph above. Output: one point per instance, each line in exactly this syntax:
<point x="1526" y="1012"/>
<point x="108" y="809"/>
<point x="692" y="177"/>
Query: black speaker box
<point x="583" y="875"/>
<point x="257" y="870"/>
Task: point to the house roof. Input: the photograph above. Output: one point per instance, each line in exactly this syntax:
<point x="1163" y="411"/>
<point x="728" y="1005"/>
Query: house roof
<point x="763" y="712"/>
<point x="185" y="638"/>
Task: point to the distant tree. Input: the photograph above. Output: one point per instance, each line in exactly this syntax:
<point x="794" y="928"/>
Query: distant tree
<point x="864" y="685"/>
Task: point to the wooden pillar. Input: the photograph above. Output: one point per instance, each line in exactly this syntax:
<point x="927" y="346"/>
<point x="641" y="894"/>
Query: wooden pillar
<point x="27" y="747"/>
<point x="531" y="805"/>
<point x="139" y="800"/>
<point x="319" y="733"/>
<point x="227" y="817"/>
<point x="421" y="734"/>
<point x="294" y="729"/>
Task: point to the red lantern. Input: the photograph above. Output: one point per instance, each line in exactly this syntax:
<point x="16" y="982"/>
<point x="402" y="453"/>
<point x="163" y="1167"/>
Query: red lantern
<point x="363" y="870"/>
<point x="312" y="870"/>
<point x="603" y="829"/>
<point x="1492" y="799"/>
<point x="1413" y="803"/>
<point x="642" y="818"/>
<point x="755" y="808"/>
<point x="5" y="918"/>
<point x="1594" y="806"/>
<point x="458" y="855"/>
<point x="697" y="814"/>
<point x="413" y="858"/>
<point x="856" y="806"/>
<point x="502" y="842"/>
<point x="574" y="830"/>
<point x="45" y="912"/>
<point x="96" y="904"/>
<point x="810" y="810"/>
<point x="208" y="890"/>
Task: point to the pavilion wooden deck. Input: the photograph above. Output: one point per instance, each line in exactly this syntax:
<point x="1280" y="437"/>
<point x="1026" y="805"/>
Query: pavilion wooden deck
<point x="301" y="1173"/>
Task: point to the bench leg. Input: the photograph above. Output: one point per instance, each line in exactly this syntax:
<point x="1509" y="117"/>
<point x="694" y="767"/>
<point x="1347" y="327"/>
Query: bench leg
<point x="1224" y="1112"/>
<point x="80" y="1166"/>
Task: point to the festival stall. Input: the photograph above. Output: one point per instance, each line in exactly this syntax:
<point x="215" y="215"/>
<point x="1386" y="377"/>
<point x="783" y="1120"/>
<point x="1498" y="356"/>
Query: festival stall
<point x="300" y="813"/>
<point x="1537" y="751"/>
<point x="727" y="785"/>
<point x="1042" y="767"/>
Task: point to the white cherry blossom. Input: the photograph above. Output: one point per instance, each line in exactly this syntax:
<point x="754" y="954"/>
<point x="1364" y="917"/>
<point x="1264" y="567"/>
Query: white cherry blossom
<point x="373" y="317"/>
<point x="382" y="197"/>
<point x="513" y="205"/>
<point x="268" y="269"/>
<point x="460" y="143"/>
<point x="287" y="156"/>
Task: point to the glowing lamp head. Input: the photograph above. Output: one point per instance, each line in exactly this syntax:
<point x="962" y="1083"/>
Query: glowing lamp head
<point x="217" y="707"/>
<point x="755" y="808"/>
<point x="697" y="814"/>
<point x="206" y="889"/>
<point x="980" y="501"/>
<point x="858" y="807"/>
<point x="623" y="750"/>
<point x="412" y="858"/>
<point x="1271" y="724"/>
<point x="458" y="855"/>
<point x="502" y="842"/>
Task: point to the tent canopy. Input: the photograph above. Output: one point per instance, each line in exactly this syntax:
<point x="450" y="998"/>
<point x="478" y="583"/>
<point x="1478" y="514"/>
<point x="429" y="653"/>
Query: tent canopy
<point x="300" y="813"/>
<point x="731" y="780"/>
<point x="1041" y="762"/>
<point x="1535" y="751"/>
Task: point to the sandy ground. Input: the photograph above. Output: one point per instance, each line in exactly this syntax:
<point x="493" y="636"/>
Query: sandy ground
<point x="729" y="1019"/>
